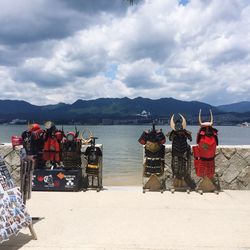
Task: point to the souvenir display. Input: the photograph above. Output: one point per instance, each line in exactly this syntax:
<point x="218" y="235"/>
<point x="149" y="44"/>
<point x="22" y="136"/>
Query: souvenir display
<point x="13" y="214"/>
<point x="61" y="158"/>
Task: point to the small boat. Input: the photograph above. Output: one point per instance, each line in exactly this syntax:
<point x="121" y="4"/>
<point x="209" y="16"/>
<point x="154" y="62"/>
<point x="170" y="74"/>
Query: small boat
<point x="245" y="124"/>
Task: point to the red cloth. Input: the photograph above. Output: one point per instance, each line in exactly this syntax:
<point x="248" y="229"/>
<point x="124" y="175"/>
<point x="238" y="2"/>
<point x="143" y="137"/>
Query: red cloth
<point x="207" y="147"/>
<point x="204" y="168"/>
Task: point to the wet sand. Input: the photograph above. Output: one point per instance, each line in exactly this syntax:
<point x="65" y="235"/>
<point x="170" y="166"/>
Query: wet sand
<point x="129" y="179"/>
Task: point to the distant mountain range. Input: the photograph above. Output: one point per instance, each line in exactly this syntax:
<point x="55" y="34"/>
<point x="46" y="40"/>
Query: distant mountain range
<point x="121" y="110"/>
<point x="239" y="107"/>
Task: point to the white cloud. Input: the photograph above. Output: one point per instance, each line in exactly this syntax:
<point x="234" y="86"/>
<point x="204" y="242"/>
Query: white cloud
<point x="158" y="48"/>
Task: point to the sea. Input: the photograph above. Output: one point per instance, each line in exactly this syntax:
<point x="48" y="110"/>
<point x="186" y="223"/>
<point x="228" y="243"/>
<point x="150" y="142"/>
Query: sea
<point x="122" y="154"/>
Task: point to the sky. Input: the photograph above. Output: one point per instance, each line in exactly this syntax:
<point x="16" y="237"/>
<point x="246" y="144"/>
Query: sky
<point x="64" y="50"/>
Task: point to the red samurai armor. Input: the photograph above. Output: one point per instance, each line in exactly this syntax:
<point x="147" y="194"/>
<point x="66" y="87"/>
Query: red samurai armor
<point x="204" y="152"/>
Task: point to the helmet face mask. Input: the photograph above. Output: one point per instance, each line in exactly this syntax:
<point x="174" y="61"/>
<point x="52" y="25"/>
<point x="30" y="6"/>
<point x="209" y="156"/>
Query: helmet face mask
<point x="70" y="136"/>
<point x="178" y="125"/>
<point x="49" y="124"/>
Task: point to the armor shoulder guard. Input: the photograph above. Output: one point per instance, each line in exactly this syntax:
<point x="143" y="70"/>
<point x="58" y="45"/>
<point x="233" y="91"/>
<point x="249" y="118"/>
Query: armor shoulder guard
<point x="171" y="135"/>
<point x="87" y="151"/>
<point x="161" y="137"/>
<point x="98" y="151"/>
<point x="216" y="136"/>
<point x="25" y="134"/>
<point x="215" y="131"/>
<point x="199" y="134"/>
<point x="188" y="134"/>
<point x="144" y="137"/>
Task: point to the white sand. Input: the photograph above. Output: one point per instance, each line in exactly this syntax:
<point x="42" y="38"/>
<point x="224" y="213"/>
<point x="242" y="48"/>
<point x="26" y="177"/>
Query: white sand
<point x="124" y="218"/>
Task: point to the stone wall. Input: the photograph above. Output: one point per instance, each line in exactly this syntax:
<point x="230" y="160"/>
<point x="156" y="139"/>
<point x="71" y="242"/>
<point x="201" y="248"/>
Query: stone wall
<point x="232" y="165"/>
<point x="12" y="160"/>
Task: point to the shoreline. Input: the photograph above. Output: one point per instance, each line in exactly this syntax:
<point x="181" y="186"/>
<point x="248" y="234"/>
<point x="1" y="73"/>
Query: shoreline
<point x="122" y="180"/>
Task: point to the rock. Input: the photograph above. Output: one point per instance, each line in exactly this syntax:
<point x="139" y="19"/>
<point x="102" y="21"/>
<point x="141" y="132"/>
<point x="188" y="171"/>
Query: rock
<point x="230" y="173"/>
<point x="13" y="159"/>
<point x="223" y="184"/>
<point x="244" y="153"/>
<point x="228" y="152"/>
<point x="238" y="162"/>
<point x="244" y="176"/>
<point x="221" y="163"/>
<point x="235" y="185"/>
<point x="218" y="151"/>
<point x="168" y="159"/>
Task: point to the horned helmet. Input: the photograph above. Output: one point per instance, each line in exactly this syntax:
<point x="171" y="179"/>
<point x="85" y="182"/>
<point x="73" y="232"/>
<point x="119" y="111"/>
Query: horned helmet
<point x="178" y="125"/>
<point x="206" y="124"/>
<point x="71" y="136"/>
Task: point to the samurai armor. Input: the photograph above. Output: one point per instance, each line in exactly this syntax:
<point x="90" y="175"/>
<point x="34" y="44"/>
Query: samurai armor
<point x="71" y="154"/>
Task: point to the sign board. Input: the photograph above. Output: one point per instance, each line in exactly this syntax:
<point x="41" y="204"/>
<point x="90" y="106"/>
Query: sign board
<point x="57" y="180"/>
<point x="13" y="214"/>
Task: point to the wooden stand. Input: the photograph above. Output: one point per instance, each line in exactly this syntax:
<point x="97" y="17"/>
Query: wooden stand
<point x="27" y="168"/>
<point x="180" y="185"/>
<point x="207" y="185"/>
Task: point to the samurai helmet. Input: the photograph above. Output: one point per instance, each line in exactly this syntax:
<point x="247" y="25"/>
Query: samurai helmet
<point x="49" y="124"/>
<point x="206" y="124"/>
<point x="34" y="127"/>
<point x="183" y="124"/>
<point x="71" y="136"/>
<point x="88" y="138"/>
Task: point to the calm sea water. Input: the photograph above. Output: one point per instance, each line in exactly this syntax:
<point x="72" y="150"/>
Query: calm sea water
<point x="122" y="152"/>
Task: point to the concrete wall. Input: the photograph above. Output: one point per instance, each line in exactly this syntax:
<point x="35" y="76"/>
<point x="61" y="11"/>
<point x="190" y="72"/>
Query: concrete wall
<point x="232" y="165"/>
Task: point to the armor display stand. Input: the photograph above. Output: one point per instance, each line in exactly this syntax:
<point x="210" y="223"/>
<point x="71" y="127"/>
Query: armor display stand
<point x="93" y="165"/>
<point x="204" y="156"/>
<point x="181" y="156"/>
<point x="153" y="181"/>
<point x="153" y="178"/>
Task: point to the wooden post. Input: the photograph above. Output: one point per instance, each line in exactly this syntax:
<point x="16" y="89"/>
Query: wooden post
<point x="27" y="167"/>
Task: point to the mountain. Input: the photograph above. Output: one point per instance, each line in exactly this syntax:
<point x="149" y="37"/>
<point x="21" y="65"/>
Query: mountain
<point x="114" y="109"/>
<point x="239" y="107"/>
<point x="126" y="106"/>
<point x="16" y="106"/>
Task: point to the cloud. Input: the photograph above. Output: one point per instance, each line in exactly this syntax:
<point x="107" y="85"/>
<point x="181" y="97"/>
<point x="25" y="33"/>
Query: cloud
<point x="141" y="74"/>
<point x="66" y="50"/>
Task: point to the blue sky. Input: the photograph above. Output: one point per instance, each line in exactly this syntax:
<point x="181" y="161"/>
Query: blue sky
<point x="60" y="50"/>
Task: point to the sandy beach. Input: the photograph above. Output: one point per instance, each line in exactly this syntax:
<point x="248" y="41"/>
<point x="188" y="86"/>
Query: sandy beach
<point x="126" y="179"/>
<point x="124" y="218"/>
